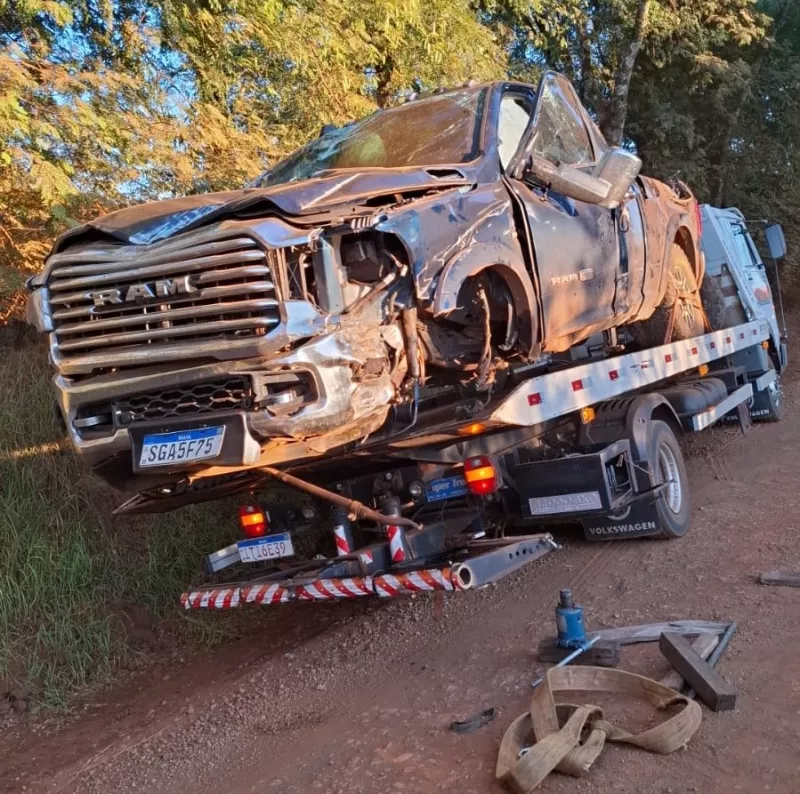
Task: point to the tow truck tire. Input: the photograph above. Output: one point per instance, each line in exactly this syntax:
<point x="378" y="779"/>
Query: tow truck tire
<point x="772" y="401"/>
<point x="666" y="463"/>
<point x="713" y="299"/>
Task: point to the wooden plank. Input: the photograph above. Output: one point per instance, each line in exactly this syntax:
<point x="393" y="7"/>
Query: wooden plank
<point x="602" y="654"/>
<point x="650" y="632"/>
<point x="702" y="646"/>
<point x="780" y="578"/>
<point x="710" y="686"/>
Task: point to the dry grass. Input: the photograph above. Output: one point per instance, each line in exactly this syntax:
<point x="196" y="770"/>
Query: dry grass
<point x="67" y="565"/>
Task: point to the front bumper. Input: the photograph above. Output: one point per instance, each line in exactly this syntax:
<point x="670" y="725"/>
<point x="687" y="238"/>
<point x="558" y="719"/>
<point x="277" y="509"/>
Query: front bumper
<point x="314" y="390"/>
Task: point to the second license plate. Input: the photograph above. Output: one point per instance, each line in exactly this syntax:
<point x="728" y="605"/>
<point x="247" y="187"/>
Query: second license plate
<point x="446" y="488"/>
<point x="269" y="548"/>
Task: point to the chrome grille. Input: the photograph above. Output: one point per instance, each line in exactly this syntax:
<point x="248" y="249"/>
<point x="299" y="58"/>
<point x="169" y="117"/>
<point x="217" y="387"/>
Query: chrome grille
<point x="198" y="286"/>
<point x="225" y="394"/>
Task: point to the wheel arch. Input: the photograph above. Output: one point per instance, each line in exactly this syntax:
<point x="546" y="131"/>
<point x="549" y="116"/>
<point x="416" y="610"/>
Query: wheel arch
<point x="481" y="258"/>
<point x="679" y="233"/>
<point x="683" y="238"/>
<point x="642" y="411"/>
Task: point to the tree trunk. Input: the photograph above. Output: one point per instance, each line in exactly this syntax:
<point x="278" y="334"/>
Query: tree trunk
<point x="585" y="57"/>
<point x="615" y="125"/>
<point x="383" y="75"/>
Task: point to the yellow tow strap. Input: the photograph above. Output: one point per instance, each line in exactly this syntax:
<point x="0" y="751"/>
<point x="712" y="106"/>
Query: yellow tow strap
<point x="569" y="738"/>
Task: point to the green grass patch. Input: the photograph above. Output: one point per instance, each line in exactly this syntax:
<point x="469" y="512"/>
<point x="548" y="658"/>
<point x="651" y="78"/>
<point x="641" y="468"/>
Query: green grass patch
<point x="68" y="566"/>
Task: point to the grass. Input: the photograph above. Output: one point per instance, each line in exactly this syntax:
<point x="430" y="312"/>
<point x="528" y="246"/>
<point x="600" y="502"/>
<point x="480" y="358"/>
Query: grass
<point x="68" y="566"/>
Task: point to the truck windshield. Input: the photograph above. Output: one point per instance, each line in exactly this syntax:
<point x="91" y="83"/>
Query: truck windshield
<point x="439" y="130"/>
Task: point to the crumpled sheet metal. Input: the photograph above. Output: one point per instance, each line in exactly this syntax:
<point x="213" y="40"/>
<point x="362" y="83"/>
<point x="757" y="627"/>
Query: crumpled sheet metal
<point x="569" y="738"/>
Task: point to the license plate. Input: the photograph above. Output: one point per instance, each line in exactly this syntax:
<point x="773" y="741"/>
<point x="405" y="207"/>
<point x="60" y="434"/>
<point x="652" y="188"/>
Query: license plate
<point x="271" y="548"/>
<point x="185" y="446"/>
<point x="446" y="488"/>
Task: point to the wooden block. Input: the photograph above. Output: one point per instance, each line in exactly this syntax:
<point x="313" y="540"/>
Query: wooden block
<point x="710" y="686"/>
<point x="602" y="654"/>
<point x="702" y="646"/>
<point x="780" y="578"/>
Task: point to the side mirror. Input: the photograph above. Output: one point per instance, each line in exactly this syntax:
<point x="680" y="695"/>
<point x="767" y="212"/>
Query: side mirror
<point x="606" y="187"/>
<point x="619" y="168"/>
<point x="776" y="242"/>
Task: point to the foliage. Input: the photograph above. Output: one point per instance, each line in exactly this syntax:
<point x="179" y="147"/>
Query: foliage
<point x="137" y="100"/>
<point x="68" y="565"/>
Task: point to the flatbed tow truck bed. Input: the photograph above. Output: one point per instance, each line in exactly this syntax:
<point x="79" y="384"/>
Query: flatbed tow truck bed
<point x="466" y="494"/>
<point x="611" y="478"/>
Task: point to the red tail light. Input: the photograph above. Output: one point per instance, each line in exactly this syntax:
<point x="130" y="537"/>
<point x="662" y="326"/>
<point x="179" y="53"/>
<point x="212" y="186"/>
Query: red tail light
<point x="481" y="475"/>
<point x="253" y="521"/>
<point x="699" y="216"/>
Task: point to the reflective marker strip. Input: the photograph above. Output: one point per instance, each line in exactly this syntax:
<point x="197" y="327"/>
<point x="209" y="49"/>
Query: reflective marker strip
<point x="329" y="589"/>
<point x="214" y="598"/>
<point x="266" y="594"/>
<point x="397" y="548"/>
<point x="534" y="399"/>
<point x="386" y="586"/>
<point x="426" y="580"/>
<point x="342" y="544"/>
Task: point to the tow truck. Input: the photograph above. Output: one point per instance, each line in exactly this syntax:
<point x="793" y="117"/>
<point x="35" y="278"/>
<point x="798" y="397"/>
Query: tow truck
<point x="473" y="493"/>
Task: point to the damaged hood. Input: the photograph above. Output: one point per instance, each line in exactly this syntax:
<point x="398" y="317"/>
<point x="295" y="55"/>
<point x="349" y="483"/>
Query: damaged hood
<point x="148" y="223"/>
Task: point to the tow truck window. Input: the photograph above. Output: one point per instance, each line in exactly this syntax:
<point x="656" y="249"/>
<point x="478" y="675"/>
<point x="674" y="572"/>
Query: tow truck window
<point x="744" y="247"/>
<point x="559" y="132"/>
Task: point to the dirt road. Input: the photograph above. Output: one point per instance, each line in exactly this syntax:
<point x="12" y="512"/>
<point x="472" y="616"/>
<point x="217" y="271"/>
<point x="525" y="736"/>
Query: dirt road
<point x="357" y="697"/>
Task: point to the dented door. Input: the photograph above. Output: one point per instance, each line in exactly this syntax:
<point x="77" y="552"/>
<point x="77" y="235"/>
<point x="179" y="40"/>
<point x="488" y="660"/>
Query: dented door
<point x="576" y="251"/>
<point x="576" y="244"/>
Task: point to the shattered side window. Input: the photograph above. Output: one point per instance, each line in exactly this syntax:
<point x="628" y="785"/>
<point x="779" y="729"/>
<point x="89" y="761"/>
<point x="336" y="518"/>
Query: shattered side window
<point x="440" y="130"/>
<point x="559" y="132"/>
<point x="515" y="113"/>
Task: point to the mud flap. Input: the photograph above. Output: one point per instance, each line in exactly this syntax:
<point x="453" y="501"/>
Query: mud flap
<point x="639" y="520"/>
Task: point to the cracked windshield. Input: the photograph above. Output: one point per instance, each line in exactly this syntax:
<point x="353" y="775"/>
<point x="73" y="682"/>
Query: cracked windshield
<point x="446" y="131"/>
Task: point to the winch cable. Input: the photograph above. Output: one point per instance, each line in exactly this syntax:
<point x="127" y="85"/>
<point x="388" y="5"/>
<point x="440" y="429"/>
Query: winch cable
<point x="353" y="506"/>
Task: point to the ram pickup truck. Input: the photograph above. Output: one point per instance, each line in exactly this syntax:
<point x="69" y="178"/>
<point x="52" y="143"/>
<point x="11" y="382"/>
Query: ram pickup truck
<point x="438" y="244"/>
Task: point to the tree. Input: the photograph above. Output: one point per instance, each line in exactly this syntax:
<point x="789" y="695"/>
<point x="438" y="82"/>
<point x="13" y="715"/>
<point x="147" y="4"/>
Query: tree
<point x="615" y="125"/>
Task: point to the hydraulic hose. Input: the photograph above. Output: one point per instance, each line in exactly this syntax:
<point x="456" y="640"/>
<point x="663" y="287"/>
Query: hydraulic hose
<point x="351" y="505"/>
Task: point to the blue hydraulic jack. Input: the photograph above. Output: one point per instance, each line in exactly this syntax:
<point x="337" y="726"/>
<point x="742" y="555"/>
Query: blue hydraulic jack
<point x="572" y="640"/>
<point x="569" y="622"/>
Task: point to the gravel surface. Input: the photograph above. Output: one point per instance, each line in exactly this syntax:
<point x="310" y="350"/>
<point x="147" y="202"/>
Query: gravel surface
<point x="356" y="697"/>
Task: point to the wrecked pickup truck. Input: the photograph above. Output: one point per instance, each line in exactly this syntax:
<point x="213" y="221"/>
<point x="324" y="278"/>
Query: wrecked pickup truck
<point x="436" y="245"/>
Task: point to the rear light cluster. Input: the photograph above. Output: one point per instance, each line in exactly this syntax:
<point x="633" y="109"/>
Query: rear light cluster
<point x="698" y="213"/>
<point x="253" y="521"/>
<point x="481" y="475"/>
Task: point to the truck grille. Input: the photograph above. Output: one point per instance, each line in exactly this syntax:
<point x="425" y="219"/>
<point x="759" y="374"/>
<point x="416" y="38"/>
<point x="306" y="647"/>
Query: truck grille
<point x="225" y="394"/>
<point x="198" y="286"/>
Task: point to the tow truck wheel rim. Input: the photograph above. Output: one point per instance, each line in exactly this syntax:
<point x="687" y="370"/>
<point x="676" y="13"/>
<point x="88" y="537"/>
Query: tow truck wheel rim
<point x="776" y="390"/>
<point x="668" y="473"/>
